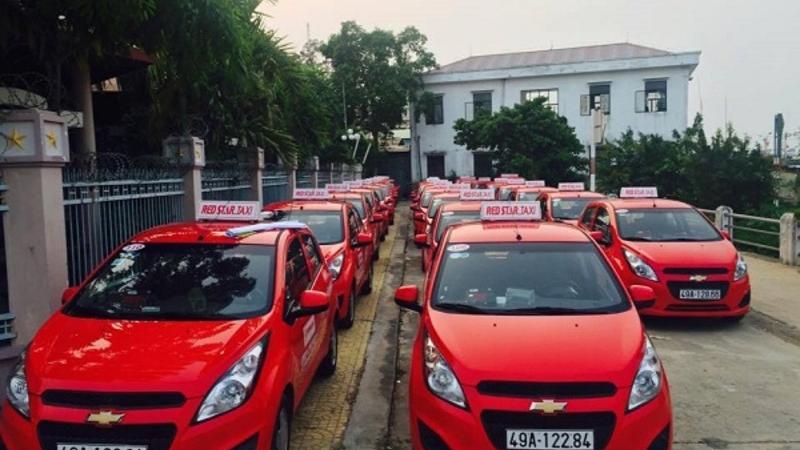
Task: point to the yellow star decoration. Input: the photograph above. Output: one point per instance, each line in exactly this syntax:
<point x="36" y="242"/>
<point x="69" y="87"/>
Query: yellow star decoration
<point x="16" y="139"/>
<point x="52" y="139"/>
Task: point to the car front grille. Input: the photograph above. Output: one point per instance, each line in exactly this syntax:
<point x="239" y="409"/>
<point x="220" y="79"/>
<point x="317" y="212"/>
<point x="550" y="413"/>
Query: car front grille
<point x="155" y="437"/>
<point x="113" y="400"/>
<point x="696" y="271"/>
<point x="497" y="422"/>
<point x="676" y="286"/>
<point x="527" y="389"/>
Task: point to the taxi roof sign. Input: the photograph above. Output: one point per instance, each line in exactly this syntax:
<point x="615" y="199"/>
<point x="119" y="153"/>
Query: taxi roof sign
<point x="476" y="194"/>
<point x="458" y="187"/>
<point x="535" y="183"/>
<point x="311" y="194"/>
<point x="337" y="187"/>
<point x="503" y="211"/>
<point x="509" y="175"/>
<point x="639" y="192"/>
<point x="576" y="186"/>
<point x="229" y="211"/>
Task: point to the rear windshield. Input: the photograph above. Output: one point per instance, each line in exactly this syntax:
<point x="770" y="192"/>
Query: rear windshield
<point x="527" y="278"/>
<point x="527" y="196"/>
<point x="504" y="194"/>
<point x="326" y="225"/>
<point x="426" y="199"/>
<point x="180" y="282"/>
<point x="664" y="225"/>
<point x="451" y="218"/>
<point x="569" y="208"/>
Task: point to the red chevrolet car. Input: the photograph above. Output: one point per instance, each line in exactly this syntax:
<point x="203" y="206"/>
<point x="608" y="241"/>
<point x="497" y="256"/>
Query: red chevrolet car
<point x="674" y="249"/>
<point x="530" y="194"/>
<point x="193" y="336"/>
<point x="449" y="214"/>
<point x="370" y="220"/>
<point x="346" y="246"/>
<point x="529" y="340"/>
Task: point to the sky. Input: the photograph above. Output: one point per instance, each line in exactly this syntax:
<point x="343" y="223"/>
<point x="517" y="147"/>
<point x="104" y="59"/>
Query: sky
<point x="750" y="49"/>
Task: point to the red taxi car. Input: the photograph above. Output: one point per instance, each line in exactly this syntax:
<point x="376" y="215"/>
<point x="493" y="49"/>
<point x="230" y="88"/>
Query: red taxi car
<point x="530" y="194"/>
<point x="369" y="219"/>
<point x="450" y="214"/>
<point x="529" y="340"/>
<point x="193" y="336"/>
<point x="345" y="242"/>
<point x="671" y="247"/>
<point x="567" y="204"/>
<point x="379" y="211"/>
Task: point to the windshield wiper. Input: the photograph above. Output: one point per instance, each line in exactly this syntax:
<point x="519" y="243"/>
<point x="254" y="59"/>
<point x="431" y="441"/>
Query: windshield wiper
<point x="460" y="307"/>
<point x="637" y="239"/>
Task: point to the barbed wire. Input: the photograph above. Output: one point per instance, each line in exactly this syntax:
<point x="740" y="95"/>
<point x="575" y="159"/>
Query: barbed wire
<point x="109" y="166"/>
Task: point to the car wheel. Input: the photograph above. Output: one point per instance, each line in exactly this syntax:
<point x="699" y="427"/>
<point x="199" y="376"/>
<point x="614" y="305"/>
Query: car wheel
<point x="282" y="432"/>
<point x="347" y="321"/>
<point x="376" y="255"/>
<point x="367" y="288"/>
<point x="328" y="366"/>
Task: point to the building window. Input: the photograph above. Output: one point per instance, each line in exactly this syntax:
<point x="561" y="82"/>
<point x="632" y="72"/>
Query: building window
<point x="481" y="103"/>
<point x="550" y="96"/>
<point x="482" y="164"/>
<point x="653" y="98"/>
<point x="435" y="166"/>
<point x="599" y="98"/>
<point x="434" y="115"/>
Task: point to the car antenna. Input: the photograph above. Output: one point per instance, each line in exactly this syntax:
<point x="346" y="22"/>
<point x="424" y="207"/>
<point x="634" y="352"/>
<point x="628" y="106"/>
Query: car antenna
<point x="516" y="230"/>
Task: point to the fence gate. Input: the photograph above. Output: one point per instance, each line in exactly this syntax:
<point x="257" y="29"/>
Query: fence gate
<point x="6" y="318"/>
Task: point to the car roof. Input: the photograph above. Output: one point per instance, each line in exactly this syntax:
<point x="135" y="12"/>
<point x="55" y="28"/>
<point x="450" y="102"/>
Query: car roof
<point x="537" y="189"/>
<point x="502" y="231"/>
<point x="309" y="205"/>
<point x="347" y="195"/>
<point x="203" y="233"/>
<point x="573" y="194"/>
<point x="647" y="203"/>
<point x="446" y="195"/>
<point x="460" y="206"/>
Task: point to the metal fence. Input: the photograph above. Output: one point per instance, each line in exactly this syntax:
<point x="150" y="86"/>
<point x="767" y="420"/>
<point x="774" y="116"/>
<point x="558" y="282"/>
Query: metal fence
<point x="275" y="185"/>
<point x="761" y="233"/>
<point x="226" y="180"/>
<point x="6" y="318"/>
<point x="103" y="208"/>
<point x="305" y="179"/>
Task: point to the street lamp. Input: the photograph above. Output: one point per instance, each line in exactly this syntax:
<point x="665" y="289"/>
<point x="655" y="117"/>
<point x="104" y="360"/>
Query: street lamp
<point x="352" y="136"/>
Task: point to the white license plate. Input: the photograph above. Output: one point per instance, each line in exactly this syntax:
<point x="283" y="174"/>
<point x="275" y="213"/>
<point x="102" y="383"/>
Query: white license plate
<point x="61" y="446"/>
<point x="550" y="439"/>
<point x="700" y="294"/>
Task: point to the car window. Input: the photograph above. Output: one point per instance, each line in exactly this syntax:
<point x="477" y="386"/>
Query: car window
<point x="326" y="225"/>
<point x="569" y="208"/>
<point x="451" y="218"/>
<point x="297" y="276"/>
<point x="312" y="250"/>
<point x="527" y="278"/>
<point x="527" y="196"/>
<point x="355" y="225"/>
<point x="437" y="203"/>
<point x="180" y="282"/>
<point x="359" y="207"/>
<point x="680" y="224"/>
<point x="426" y="199"/>
<point x="587" y="216"/>
<point x="504" y="194"/>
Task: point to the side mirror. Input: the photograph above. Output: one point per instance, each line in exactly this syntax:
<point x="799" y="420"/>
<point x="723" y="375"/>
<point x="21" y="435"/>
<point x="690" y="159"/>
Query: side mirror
<point x="363" y="239"/>
<point x="421" y="240"/>
<point x="420" y="216"/>
<point x="69" y="294"/>
<point x="643" y="296"/>
<point x="378" y="217"/>
<point x="406" y="297"/>
<point x="312" y="302"/>
<point x="726" y="234"/>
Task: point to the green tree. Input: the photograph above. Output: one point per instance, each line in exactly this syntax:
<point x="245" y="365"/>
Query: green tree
<point x="529" y="139"/>
<point x="378" y="72"/>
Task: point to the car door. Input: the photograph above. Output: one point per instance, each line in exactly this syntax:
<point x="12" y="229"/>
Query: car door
<point x="303" y="329"/>
<point x="359" y="254"/>
<point x="319" y="282"/>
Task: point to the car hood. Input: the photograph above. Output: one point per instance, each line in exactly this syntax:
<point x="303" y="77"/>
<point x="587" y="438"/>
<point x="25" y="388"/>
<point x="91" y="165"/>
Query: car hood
<point x="106" y="354"/>
<point x="330" y="250"/>
<point x="540" y="348"/>
<point x="687" y="254"/>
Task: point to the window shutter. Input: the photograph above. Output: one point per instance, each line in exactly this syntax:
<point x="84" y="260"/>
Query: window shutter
<point x="585" y="108"/>
<point x="640" y="102"/>
<point x="605" y="103"/>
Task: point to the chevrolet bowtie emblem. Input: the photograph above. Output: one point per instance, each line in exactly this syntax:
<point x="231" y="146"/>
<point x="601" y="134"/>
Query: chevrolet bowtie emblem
<point x="698" y="278"/>
<point x="104" y="418"/>
<point x="548" y="406"/>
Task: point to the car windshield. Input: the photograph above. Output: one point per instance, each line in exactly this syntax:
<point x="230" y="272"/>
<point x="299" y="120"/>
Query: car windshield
<point x="180" y="282"/>
<point x="326" y="225"/>
<point x="662" y="225"/>
<point x="451" y="218"/>
<point x="358" y="205"/>
<point x="569" y="208"/>
<point x="527" y="279"/>
<point x="426" y="199"/>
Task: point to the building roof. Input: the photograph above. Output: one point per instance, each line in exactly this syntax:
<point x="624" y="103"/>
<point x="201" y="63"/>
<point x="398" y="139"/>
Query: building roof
<point x="606" y="52"/>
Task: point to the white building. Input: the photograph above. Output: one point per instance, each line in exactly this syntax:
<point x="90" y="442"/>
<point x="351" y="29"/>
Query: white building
<point x="641" y="88"/>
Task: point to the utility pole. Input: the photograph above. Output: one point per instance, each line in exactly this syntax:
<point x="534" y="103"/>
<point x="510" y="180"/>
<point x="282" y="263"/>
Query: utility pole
<point x="596" y="132"/>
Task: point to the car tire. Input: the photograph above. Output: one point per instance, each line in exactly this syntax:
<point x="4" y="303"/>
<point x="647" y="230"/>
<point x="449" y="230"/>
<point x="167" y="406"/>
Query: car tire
<point x="366" y="289"/>
<point x="376" y="255"/>
<point x="328" y="366"/>
<point x="282" y="432"/>
<point x="347" y="321"/>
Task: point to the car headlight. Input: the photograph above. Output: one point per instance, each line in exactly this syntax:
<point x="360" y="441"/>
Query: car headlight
<point x="640" y="267"/>
<point x="235" y="387"/>
<point x="17" y="388"/>
<point x="336" y="265"/>
<point x="741" y="268"/>
<point x="647" y="383"/>
<point x="440" y="377"/>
